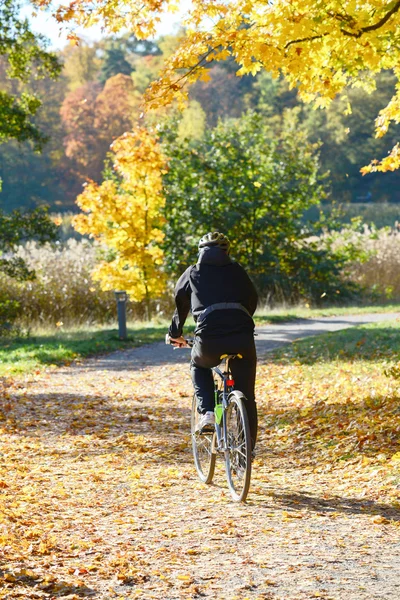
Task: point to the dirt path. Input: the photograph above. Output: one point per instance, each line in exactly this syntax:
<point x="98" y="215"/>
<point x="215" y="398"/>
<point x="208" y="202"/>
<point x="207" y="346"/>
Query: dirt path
<point x="102" y="500"/>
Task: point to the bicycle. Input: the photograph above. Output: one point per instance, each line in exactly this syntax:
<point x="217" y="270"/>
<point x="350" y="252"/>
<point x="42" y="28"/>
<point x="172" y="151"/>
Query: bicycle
<point x="231" y="437"/>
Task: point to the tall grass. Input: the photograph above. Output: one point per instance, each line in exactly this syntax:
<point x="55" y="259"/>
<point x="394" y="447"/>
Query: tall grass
<point x="62" y="290"/>
<point x="380" y="273"/>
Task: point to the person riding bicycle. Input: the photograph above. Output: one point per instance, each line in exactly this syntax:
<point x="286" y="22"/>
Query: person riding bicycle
<point x="222" y="300"/>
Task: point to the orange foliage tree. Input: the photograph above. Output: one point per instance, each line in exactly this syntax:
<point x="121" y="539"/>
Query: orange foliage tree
<point x="94" y="117"/>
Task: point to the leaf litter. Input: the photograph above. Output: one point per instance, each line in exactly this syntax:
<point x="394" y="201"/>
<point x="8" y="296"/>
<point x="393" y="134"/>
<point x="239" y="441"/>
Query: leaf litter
<point x="99" y="497"/>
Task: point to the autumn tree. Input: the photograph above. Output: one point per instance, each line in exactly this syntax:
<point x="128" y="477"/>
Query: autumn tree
<point x="52" y="177"/>
<point x="81" y="64"/>
<point x="78" y="115"/>
<point x="123" y="213"/>
<point x="321" y="47"/>
<point x="224" y="95"/>
<point x="94" y="116"/>
<point x="117" y="106"/>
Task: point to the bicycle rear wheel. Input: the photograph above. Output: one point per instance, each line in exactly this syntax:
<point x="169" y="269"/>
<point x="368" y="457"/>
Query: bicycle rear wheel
<point x="202" y="445"/>
<point x="238" y="455"/>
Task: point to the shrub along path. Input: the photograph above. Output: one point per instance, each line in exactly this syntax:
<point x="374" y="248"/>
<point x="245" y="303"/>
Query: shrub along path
<point x="98" y="495"/>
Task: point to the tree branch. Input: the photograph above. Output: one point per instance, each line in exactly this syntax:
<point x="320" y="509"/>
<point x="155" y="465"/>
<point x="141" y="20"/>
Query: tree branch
<point x="187" y="74"/>
<point x="395" y="8"/>
<point x="376" y="25"/>
<point x="306" y="39"/>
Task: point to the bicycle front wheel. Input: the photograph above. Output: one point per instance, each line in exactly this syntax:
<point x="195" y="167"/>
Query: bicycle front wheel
<point x="203" y="448"/>
<point x="238" y="454"/>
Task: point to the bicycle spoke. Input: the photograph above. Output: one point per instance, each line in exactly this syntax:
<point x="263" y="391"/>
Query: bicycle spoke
<point x="239" y="452"/>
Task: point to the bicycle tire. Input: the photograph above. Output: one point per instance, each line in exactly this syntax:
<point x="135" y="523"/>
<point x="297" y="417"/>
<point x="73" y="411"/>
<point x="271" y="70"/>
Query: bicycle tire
<point x="202" y="446"/>
<point x="238" y="453"/>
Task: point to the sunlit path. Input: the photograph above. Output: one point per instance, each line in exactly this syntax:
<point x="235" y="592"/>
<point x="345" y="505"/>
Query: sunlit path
<point x="99" y="496"/>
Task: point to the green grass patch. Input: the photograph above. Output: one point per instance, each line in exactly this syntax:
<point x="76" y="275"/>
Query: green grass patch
<point x="43" y="348"/>
<point x="374" y="342"/>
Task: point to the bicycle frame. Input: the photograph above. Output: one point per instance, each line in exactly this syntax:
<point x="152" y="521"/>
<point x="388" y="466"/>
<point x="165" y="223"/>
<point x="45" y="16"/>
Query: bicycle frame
<point x="227" y="387"/>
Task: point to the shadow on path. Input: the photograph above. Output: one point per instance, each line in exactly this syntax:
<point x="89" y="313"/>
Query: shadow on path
<point x="24" y="578"/>
<point x="136" y="359"/>
<point x="335" y="504"/>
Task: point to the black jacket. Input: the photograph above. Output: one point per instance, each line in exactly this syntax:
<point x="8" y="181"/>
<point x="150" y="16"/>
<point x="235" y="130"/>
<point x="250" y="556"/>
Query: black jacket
<point x="215" y="278"/>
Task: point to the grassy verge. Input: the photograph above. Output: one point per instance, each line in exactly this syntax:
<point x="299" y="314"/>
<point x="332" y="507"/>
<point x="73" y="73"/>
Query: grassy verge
<point x="375" y="343"/>
<point x="372" y="343"/>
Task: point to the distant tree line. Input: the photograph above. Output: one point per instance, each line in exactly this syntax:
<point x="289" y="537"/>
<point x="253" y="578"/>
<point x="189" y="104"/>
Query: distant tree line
<point x="98" y="96"/>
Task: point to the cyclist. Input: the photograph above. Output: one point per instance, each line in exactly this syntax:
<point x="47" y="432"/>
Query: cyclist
<point x="222" y="300"/>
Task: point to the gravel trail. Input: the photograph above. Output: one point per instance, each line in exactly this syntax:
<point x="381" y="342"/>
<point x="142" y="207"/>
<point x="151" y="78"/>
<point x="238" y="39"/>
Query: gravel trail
<point x="111" y="506"/>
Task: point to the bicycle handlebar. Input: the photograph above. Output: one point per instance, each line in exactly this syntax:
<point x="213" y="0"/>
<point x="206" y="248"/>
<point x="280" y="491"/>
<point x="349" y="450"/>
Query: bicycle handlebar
<point x="169" y="342"/>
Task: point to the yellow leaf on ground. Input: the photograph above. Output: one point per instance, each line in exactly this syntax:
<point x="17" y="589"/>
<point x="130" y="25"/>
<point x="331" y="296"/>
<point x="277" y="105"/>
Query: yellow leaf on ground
<point x="379" y="519"/>
<point x="185" y="578"/>
<point x="291" y="515"/>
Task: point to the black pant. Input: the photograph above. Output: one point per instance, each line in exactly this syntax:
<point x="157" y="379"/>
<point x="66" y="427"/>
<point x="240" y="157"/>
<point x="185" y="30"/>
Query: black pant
<point x="206" y="353"/>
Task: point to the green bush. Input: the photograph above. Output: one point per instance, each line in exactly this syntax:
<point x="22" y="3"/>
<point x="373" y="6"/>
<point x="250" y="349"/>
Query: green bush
<point x="10" y="310"/>
<point x="253" y="180"/>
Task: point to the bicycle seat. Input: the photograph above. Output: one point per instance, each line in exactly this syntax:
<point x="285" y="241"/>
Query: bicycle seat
<point x="230" y="356"/>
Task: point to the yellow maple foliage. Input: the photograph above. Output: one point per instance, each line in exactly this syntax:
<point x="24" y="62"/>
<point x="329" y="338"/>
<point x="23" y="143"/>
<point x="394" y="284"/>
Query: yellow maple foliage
<point x="321" y="47"/>
<point x="123" y="213"/>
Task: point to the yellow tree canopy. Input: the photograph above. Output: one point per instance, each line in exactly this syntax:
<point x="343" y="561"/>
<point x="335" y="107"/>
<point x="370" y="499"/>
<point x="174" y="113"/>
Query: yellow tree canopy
<point x="125" y="216"/>
<point x="320" y="46"/>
